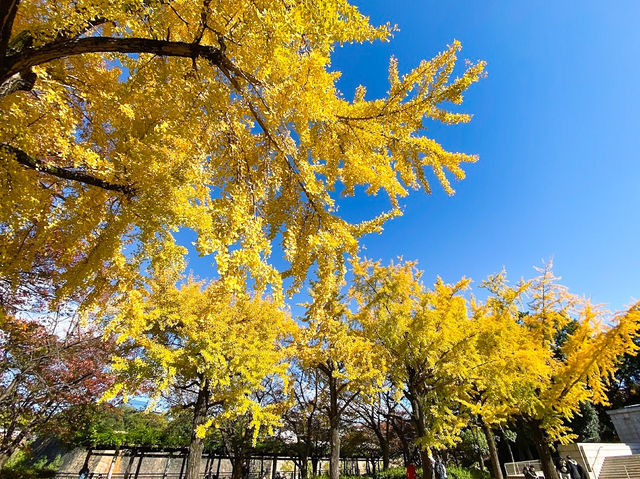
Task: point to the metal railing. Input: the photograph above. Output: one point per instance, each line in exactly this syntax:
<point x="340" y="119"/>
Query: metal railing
<point x="515" y="468"/>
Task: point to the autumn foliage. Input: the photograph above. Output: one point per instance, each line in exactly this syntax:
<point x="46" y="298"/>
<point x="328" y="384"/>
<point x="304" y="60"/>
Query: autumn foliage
<point x="124" y="123"/>
<point x="531" y="350"/>
<point x="45" y="369"/>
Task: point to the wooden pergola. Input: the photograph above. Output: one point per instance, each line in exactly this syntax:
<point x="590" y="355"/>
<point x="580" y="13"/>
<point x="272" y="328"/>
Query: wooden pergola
<point x="259" y="464"/>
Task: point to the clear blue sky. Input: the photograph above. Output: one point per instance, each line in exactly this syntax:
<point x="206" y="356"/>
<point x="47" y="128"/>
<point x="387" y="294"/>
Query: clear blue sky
<point x="556" y="127"/>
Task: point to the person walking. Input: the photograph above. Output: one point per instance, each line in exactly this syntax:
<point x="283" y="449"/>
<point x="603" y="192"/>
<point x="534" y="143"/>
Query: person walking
<point x="439" y="469"/>
<point x="84" y="472"/>
<point x="576" y="471"/>
<point x="529" y="472"/>
<point x="563" y="469"/>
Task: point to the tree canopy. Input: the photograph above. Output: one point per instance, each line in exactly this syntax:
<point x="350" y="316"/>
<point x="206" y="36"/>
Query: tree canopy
<point x="127" y="121"/>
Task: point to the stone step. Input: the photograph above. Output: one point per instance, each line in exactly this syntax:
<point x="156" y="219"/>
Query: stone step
<point x="621" y="467"/>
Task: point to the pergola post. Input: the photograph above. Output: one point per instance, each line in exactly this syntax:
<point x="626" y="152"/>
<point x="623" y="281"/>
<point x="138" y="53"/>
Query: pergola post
<point x="184" y="460"/>
<point x="166" y="466"/>
<point x="113" y="461"/>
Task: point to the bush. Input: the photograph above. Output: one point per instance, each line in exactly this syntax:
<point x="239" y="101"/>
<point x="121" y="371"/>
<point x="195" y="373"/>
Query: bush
<point x="394" y="473"/>
<point x="454" y="472"/>
<point x="20" y="466"/>
<point x="26" y="473"/>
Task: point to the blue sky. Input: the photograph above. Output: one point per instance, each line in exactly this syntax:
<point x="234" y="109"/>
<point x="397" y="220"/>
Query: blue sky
<point x="555" y="124"/>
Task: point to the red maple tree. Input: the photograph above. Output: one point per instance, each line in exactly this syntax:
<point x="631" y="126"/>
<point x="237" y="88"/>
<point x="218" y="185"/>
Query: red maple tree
<point x="46" y="366"/>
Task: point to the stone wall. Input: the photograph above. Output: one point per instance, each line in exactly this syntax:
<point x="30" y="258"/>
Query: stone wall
<point x="627" y="423"/>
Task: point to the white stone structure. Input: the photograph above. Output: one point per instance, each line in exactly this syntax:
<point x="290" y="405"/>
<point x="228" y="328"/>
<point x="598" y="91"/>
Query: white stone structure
<point x="627" y="423"/>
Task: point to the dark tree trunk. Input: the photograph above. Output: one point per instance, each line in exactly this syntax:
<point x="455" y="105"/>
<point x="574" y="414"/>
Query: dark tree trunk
<point x="8" y="11"/>
<point x="506" y="441"/>
<point x="383" y="442"/>
<point x="544" y="451"/>
<point x="404" y="444"/>
<point x="385" y="455"/>
<point x="196" y="446"/>
<point x="427" y="466"/>
<point x="236" y="467"/>
<point x="334" y="459"/>
<point x="493" y="451"/>
<point x="406" y="450"/>
<point x="304" y="466"/>
<point x="419" y="420"/>
<point x="314" y="465"/>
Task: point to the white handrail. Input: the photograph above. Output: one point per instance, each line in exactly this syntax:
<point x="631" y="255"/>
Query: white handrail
<point x="595" y="461"/>
<point x="584" y="459"/>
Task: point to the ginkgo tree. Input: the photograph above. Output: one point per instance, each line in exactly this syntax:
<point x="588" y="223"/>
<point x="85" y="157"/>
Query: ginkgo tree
<point x="513" y="364"/>
<point x="585" y="345"/>
<point x="532" y="351"/>
<point x="123" y="122"/>
<point x="218" y="347"/>
<point x="348" y="363"/>
<point x="430" y="343"/>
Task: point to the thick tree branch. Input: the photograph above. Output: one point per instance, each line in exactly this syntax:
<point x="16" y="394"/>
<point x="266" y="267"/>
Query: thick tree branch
<point x="38" y="165"/>
<point x="79" y="46"/>
<point x="22" y="61"/>
<point x="8" y="10"/>
<point x="24" y="80"/>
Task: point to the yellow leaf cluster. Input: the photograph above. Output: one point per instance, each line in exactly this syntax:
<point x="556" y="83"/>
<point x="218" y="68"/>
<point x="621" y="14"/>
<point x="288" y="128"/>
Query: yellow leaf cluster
<point x="584" y="345"/>
<point x="246" y="146"/>
<point x="228" y="343"/>
<point x="428" y="339"/>
<point x="329" y="342"/>
<point x="531" y="350"/>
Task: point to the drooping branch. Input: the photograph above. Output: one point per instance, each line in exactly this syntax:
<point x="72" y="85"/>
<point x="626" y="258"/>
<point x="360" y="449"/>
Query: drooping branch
<point x="64" y="173"/>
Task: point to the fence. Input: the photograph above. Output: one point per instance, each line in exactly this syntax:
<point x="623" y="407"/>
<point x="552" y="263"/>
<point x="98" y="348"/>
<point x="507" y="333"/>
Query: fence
<point x="147" y="463"/>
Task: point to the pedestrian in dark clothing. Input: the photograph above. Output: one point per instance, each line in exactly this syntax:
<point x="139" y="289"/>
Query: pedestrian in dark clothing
<point x="576" y="471"/>
<point x="84" y="472"/>
<point x="563" y="469"/>
<point x="528" y="473"/>
<point x="439" y="469"/>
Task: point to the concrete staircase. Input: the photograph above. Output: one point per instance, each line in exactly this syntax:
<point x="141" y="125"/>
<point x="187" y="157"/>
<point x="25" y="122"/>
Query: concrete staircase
<point x="621" y="467"/>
